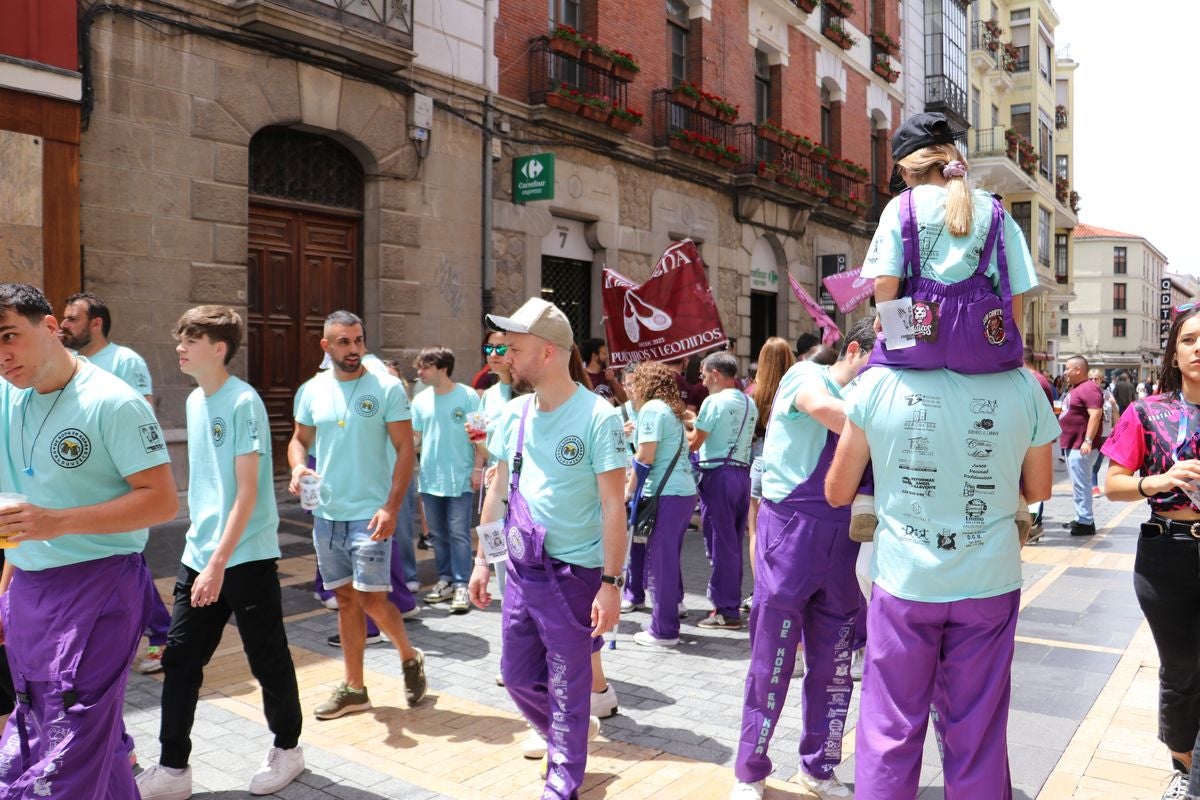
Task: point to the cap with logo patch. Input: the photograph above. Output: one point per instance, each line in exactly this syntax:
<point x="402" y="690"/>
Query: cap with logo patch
<point x="539" y="318"/>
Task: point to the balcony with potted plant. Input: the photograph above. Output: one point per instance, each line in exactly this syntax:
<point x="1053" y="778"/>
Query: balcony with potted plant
<point x="719" y="107"/>
<point x="689" y="108"/>
<point x="995" y="159"/>
<point x="807" y="6"/>
<point x="567" y="69"/>
<point x="625" y="119"/>
<point x="1061" y="118"/>
<point x="839" y="8"/>
<point x="884" y="69"/>
<point x="884" y="43"/>
<point x="835" y="31"/>
<point x="1062" y="189"/>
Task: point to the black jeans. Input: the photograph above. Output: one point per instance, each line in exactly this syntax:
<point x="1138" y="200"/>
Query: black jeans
<point x="251" y="594"/>
<point x="1166" y="578"/>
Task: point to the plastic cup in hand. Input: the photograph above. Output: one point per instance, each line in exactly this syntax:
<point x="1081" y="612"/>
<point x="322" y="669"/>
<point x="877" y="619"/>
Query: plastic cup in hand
<point x="9" y="499"/>
<point x="310" y="491"/>
<point x="476" y="426"/>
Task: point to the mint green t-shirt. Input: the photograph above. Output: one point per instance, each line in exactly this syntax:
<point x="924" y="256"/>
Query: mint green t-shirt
<point x="794" y="438"/>
<point x="946" y="258"/>
<point x="230" y="423"/>
<point x="721" y="417"/>
<point x="564" y="450"/>
<point x="352" y="459"/>
<point x="947" y="450"/>
<point x="656" y="422"/>
<point x="447" y="455"/>
<point x="126" y="365"/>
<point x="95" y="434"/>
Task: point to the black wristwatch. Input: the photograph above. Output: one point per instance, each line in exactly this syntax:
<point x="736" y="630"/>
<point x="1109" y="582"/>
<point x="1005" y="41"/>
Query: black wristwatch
<point x="616" y="580"/>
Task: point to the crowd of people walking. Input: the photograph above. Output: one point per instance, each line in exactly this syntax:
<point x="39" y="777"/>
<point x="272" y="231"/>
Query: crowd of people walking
<point x="881" y="489"/>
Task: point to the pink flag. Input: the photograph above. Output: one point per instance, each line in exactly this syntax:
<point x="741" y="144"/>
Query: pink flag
<point x="849" y="288"/>
<point x="829" y="328"/>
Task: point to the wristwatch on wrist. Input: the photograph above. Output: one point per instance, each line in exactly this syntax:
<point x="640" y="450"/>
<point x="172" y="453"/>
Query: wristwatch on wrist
<point x="1087" y="440"/>
<point x="616" y="580"/>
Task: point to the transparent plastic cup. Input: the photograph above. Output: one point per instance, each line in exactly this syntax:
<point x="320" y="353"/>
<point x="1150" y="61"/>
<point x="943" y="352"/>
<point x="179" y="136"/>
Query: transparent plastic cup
<point x="9" y="499"/>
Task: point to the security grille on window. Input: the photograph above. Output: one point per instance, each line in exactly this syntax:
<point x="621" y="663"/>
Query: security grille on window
<point x="567" y="283"/>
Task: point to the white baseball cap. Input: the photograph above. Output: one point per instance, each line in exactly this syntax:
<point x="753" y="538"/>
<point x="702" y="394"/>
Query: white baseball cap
<point x="537" y="317"/>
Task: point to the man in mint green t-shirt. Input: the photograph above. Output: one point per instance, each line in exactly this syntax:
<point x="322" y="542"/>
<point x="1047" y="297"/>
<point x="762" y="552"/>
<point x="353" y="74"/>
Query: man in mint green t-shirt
<point x="350" y="418"/>
<point x="721" y="435"/>
<point x="229" y="560"/>
<point x="87" y="454"/>
<point x="451" y="470"/>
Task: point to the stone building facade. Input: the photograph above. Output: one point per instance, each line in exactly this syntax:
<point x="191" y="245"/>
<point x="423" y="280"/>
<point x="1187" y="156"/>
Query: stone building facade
<point x="260" y="155"/>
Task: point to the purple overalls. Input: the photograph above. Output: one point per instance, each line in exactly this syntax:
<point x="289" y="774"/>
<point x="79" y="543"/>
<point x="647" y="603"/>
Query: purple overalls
<point x="804" y="584"/>
<point x="546" y="659"/>
<point x="961" y="326"/>
<point x="724" y="509"/>
<point x="71" y="632"/>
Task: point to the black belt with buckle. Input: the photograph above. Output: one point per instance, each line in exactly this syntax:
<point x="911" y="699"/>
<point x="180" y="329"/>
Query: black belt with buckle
<point x="1178" y="529"/>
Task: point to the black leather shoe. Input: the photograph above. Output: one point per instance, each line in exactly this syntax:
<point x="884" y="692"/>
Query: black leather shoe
<point x="1082" y="528"/>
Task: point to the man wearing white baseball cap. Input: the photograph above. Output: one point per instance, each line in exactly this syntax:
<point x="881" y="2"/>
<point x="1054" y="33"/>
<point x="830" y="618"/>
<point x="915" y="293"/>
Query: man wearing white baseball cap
<point x="565" y="530"/>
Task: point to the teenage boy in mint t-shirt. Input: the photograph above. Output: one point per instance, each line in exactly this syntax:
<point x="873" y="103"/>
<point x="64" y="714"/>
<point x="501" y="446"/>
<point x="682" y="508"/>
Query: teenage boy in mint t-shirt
<point x="350" y="418"/>
<point x="86" y="452"/>
<point x="451" y="472"/>
<point x="229" y="561"/>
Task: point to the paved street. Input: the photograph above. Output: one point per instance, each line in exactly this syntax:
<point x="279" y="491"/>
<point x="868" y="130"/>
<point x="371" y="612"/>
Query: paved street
<point x="1082" y="722"/>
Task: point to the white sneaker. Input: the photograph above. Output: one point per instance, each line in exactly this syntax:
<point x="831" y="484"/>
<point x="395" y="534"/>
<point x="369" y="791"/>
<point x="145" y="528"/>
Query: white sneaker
<point x="650" y="640"/>
<point x="278" y="769"/>
<point x="856" y="663"/>
<point x="157" y="783"/>
<point x="604" y="704"/>
<point x="415" y="611"/>
<point x="593" y="728"/>
<point x="441" y="591"/>
<point x="628" y="606"/>
<point x="413" y="586"/>
<point x="153" y="661"/>
<point x="329" y="602"/>
<point x="747" y="791"/>
<point x="534" y="745"/>
<point x="827" y="789"/>
<point x="461" y="603"/>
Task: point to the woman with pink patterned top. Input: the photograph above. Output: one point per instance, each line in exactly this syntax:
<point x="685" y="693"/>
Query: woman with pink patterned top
<point x="1159" y="436"/>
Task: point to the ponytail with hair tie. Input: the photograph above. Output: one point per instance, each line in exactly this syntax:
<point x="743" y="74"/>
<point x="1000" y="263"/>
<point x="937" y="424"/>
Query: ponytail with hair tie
<point x="955" y="169"/>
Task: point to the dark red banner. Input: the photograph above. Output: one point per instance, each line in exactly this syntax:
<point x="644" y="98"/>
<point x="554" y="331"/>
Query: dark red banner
<point x="670" y="316"/>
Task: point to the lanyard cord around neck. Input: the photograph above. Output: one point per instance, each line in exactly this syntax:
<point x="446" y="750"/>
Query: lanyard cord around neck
<point x="346" y="411"/>
<point x="28" y="461"/>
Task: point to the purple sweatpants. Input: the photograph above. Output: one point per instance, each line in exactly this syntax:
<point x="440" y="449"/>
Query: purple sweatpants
<point x="71" y="632"/>
<point x="635" y="574"/>
<point x="959" y="654"/>
<point x="804" y="585"/>
<point x="400" y="595"/>
<point x="546" y="662"/>
<point x="663" y="573"/>
<point x="724" y="509"/>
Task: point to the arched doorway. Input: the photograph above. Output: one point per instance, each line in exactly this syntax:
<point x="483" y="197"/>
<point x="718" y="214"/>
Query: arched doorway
<point x="303" y="261"/>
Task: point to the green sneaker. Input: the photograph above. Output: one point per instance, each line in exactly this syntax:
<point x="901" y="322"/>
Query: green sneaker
<point x="414" y="677"/>
<point x="343" y="701"/>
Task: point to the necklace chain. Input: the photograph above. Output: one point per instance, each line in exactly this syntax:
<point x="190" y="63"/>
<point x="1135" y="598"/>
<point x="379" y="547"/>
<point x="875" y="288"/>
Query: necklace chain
<point x="341" y="421"/>
<point x="25" y="410"/>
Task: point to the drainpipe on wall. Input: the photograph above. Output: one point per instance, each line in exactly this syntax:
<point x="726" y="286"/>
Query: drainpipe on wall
<point x="489" y="268"/>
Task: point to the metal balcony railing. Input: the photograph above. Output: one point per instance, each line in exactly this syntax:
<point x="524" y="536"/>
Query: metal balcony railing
<point x="748" y="141"/>
<point x="987" y="142"/>
<point x="1022" y="59"/>
<point x="667" y="117"/>
<point x="391" y="20"/>
<point x="943" y="94"/>
<point x="548" y="70"/>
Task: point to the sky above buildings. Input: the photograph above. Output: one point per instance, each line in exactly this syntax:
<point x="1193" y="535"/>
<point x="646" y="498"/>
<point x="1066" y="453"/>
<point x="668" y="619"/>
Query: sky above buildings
<point x="1137" y="119"/>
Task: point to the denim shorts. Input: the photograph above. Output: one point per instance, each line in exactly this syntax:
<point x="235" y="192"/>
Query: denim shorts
<point x="346" y="553"/>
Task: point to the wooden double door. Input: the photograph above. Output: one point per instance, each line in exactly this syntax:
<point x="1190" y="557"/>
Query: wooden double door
<point x="302" y="266"/>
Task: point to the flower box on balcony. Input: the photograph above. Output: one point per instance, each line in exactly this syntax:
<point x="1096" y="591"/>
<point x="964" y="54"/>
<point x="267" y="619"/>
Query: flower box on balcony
<point x="806" y="6"/>
<point x="1075" y="202"/>
<point x="624" y="119"/>
<point x="568" y="41"/>
<point x="565" y="98"/>
<point x="885" y="43"/>
<point x="801" y="144"/>
<point x="791" y="179"/>
<point x="769" y="132"/>
<point x="683" y="141"/>
<point x="883" y="68"/>
<point x="838" y="36"/>
<point x="767" y="170"/>
<point x="819" y="154"/>
<point x="624" y="67"/>
<point x="841" y="8"/>
<point x="598" y="56"/>
<point x="686" y="95"/>
<point x="596" y="107"/>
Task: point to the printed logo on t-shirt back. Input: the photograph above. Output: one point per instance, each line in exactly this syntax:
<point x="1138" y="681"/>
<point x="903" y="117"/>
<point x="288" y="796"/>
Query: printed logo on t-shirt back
<point x="569" y="451"/>
<point x="218" y="431"/>
<point x="367" y="405"/>
<point x="152" y="438"/>
<point x="70" y="448"/>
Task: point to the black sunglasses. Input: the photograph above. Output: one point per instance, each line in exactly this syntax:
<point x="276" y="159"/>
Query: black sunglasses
<point x="498" y="349"/>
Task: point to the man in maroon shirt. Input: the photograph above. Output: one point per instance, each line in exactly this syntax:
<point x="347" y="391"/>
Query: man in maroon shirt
<point x="594" y="353"/>
<point x="1080" y="423"/>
